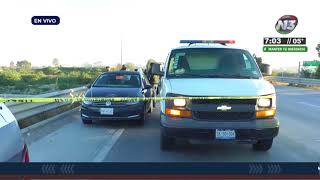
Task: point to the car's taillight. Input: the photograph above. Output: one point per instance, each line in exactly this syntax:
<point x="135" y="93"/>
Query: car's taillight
<point x="25" y="157"/>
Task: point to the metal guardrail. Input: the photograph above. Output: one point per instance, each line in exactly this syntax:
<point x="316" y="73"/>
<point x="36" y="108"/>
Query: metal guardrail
<point x="23" y="111"/>
<point x="294" y="80"/>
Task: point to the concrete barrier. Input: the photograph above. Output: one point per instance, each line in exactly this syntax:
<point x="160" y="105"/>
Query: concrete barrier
<point x="30" y="113"/>
<point x="295" y="81"/>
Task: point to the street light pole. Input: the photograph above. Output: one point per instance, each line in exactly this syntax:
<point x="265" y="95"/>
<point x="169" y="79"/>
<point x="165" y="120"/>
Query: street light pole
<point x="121" y="52"/>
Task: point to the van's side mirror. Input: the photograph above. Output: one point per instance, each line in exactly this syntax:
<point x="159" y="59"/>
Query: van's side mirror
<point x="156" y="69"/>
<point x="266" y="70"/>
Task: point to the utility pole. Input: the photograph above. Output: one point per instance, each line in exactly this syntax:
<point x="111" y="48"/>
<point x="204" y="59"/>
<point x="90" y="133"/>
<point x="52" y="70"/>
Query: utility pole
<point x="121" y="52"/>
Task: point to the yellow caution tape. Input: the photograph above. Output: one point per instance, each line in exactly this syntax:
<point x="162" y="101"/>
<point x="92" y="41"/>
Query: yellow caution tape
<point x="102" y="99"/>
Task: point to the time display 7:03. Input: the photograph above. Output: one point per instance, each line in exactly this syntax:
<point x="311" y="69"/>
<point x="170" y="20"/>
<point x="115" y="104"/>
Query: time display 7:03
<point x="284" y="41"/>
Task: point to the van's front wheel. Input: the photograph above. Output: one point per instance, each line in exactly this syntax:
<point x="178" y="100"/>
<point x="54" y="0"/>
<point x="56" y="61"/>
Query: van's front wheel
<point x="262" y="145"/>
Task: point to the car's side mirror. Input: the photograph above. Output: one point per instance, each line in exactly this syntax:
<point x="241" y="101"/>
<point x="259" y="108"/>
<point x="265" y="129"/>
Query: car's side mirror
<point x="266" y="70"/>
<point x="156" y="69"/>
<point x="89" y="86"/>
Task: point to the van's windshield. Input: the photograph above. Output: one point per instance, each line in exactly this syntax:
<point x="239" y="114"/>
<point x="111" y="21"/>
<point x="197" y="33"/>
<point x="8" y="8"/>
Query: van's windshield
<point x="212" y="63"/>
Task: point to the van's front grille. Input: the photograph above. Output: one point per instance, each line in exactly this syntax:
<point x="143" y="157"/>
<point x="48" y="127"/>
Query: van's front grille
<point x="207" y="109"/>
<point x="225" y="101"/>
<point x="216" y="116"/>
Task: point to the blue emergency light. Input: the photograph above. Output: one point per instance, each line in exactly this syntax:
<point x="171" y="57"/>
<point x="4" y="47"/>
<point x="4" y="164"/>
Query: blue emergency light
<point x="224" y="42"/>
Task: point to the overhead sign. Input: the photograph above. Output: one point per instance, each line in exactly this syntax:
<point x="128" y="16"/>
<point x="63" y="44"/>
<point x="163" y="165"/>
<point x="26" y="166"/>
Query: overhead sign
<point x="311" y="63"/>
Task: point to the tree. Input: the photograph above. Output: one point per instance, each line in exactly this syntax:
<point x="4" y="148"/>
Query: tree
<point x="306" y="73"/>
<point x="11" y="76"/>
<point x="317" y="74"/>
<point x="55" y="62"/>
<point x="117" y="67"/>
<point x="87" y="65"/>
<point x="24" y="65"/>
<point x="12" y="65"/>
<point x="318" y="49"/>
<point x="98" y="64"/>
<point x="130" y="66"/>
<point x="258" y="60"/>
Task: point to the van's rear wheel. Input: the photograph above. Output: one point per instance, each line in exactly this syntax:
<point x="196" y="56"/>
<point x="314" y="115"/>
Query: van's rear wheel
<point x="263" y="145"/>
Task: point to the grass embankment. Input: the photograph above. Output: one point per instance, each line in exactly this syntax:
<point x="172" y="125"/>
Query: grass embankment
<point x="37" y="81"/>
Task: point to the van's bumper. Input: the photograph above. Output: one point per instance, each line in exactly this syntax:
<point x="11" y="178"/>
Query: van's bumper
<point x="251" y="130"/>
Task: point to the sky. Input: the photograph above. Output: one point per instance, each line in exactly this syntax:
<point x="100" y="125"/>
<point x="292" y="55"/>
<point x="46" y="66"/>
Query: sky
<point x="92" y="30"/>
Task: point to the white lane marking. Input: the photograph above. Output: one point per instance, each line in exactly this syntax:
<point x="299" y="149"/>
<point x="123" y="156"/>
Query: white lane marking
<point x="308" y="104"/>
<point x="106" y="148"/>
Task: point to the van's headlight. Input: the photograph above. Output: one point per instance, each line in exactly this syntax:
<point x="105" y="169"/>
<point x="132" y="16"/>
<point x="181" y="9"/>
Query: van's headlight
<point x="179" y="102"/>
<point x="177" y="106"/>
<point x="266" y="107"/>
<point x="264" y="102"/>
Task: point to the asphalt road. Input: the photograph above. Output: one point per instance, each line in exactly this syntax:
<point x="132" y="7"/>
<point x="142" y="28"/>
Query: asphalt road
<point x="65" y="138"/>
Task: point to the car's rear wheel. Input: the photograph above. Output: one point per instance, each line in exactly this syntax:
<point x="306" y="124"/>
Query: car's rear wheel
<point x="166" y="143"/>
<point x="142" y="119"/>
<point x="86" y="121"/>
<point x="263" y="145"/>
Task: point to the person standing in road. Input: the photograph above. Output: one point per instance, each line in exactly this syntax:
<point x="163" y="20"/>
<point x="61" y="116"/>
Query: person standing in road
<point x="107" y="68"/>
<point x="123" y="68"/>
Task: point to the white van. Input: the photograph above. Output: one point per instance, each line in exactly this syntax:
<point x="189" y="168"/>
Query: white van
<point x="246" y="105"/>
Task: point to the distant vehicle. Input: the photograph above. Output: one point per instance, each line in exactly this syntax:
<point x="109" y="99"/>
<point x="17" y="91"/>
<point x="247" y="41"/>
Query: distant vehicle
<point x="147" y="82"/>
<point x="12" y="145"/>
<point x="118" y="84"/>
<point x="210" y="68"/>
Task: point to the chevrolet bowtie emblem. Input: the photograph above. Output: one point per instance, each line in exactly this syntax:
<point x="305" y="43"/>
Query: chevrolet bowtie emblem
<point x="224" y="108"/>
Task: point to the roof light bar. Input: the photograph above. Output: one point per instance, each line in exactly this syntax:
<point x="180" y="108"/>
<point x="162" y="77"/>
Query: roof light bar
<point x="208" y="41"/>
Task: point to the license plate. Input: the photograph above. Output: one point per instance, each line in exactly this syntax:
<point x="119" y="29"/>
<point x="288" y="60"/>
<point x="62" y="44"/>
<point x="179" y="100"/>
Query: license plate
<point x="225" y="134"/>
<point x="106" y="111"/>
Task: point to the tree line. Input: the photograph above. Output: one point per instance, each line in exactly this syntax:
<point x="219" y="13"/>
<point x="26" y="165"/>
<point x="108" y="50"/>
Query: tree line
<point x="22" y="78"/>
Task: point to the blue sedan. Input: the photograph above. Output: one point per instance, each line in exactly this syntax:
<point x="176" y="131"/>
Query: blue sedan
<point x="118" y="84"/>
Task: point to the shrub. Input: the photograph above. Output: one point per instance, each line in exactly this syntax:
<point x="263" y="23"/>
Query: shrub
<point x="11" y="77"/>
<point x="317" y="75"/>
